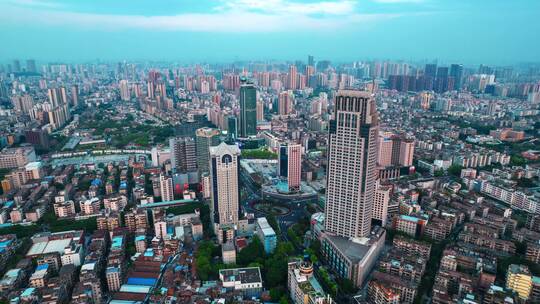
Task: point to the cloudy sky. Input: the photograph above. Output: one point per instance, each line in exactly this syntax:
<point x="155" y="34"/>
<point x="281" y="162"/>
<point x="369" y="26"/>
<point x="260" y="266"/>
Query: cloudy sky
<point x="468" y="31"/>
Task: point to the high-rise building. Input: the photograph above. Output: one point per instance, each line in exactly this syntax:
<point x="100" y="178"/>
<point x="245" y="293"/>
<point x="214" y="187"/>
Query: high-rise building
<point x="225" y="193"/>
<point x="290" y="164"/>
<point x="75" y="95"/>
<point x="352" y="160"/>
<point x="57" y="96"/>
<point x="380" y="204"/>
<point x="16" y="66"/>
<point x="248" y="110"/>
<point x="395" y="150"/>
<point x="31" y="66"/>
<point x="205" y="138"/>
<point x="124" y="90"/>
<point x="430" y="70"/>
<point x="166" y="188"/>
<point x="260" y="110"/>
<point x="456" y="71"/>
<point x="232" y="127"/>
<point x="183" y="154"/>
<point x="292" y="78"/>
<point x="311" y="60"/>
<point x="285" y="102"/>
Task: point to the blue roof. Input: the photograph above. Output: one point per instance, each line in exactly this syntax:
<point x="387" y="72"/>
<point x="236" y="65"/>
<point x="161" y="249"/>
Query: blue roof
<point x="5" y="244"/>
<point x="140" y="238"/>
<point x="96" y="182"/>
<point x="117" y="242"/>
<point x="141" y="281"/>
<point x="27" y="292"/>
<point x="409" y="218"/>
<point x="42" y="267"/>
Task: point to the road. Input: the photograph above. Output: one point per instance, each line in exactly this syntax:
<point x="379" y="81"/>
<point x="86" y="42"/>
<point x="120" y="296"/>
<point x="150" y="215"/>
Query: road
<point x="251" y="193"/>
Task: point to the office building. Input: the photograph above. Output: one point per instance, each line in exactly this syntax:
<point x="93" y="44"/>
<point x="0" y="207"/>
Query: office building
<point x="183" y="154"/>
<point x="205" y="138"/>
<point x="290" y="164"/>
<point x="260" y="110"/>
<point x="31" y="66"/>
<point x="352" y="160"/>
<point x="248" y="110"/>
<point x="395" y="150"/>
<point x="225" y="193"/>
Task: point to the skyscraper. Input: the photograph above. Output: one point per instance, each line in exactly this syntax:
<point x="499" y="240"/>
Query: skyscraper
<point x="248" y="109"/>
<point x="290" y="165"/>
<point x="456" y="71"/>
<point x="352" y="156"/>
<point x="205" y="138"/>
<point x="225" y="193"/>
<point x="183" y="154"/>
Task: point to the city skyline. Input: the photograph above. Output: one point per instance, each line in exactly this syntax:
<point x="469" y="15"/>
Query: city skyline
<point x="456" y="31"/>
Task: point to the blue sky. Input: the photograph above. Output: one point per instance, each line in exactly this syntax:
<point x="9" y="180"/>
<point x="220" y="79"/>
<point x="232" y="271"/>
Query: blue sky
<point x="468" y="31"/>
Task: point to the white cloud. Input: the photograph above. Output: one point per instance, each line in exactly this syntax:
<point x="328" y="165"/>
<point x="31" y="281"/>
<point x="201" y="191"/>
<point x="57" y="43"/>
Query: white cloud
<point x="398" y="1"/>
<point x="288" y="7"/>
<point x="36" y="3"/>
<point x="236" y="16"/>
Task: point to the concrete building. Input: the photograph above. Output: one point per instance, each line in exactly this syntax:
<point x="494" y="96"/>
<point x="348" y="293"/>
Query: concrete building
<point x="352" y="160"/>
<point x="224" y="170"/>
<point x="183" y="154"/>
<point x="378" y="293"/>
<point x="519" y="279"/>
<point x="247" y="281"/>
<point x="353" y="258"/>
<point x="303" y="286"/>
<point x="205" y="138"/>
<point x="17" y="157"/>
<point x="290" y="165"/>
<point x="166" y="188"/>
<point x="380" y="204"/>
<point x="228" y="253"/>
<point x="248" y="110"/>
<point x="267" y="235"/>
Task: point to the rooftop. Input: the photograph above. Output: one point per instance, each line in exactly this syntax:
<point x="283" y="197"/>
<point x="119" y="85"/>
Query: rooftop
<point x="242" y="275"/>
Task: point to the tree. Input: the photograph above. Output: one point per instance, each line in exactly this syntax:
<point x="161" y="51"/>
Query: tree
<point x="254" y="252"/>
<point x="455" y="170"/>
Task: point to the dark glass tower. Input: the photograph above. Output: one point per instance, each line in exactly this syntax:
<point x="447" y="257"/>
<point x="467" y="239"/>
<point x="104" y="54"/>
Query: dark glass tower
<point x="248" y="109"/>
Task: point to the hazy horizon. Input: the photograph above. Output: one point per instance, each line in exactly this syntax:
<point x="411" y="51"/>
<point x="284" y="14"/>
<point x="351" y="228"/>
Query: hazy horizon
<point x="469" y="32"/>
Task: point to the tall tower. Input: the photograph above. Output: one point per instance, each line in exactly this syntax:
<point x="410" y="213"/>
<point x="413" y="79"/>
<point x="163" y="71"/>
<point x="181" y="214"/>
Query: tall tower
<point x="352" y="160"/>
<point x="290" y="165"/>
<point x="224" y="168"/>
<point x="248" y="110"/>
<point x="292" y="78"/>
<point x="205" y="138"/>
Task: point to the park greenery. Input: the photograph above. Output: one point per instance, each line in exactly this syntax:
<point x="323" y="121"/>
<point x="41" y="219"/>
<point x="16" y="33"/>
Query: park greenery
<point x="258" y="154"/>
